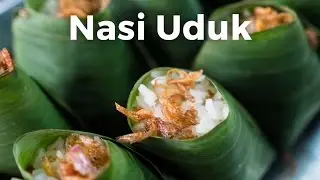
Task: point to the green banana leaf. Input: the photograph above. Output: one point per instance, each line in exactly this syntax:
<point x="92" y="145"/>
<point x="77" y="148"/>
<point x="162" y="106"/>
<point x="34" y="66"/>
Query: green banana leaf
<point x="276" y="75"/>
<point x="23" y="108"/>
<point x="85" y="77"/>
<point x="309" y="8"/>
<point x="179" y="52"/>
<point x="305" y="11"/>
<point x="307" y="25"/>
<point x="125" y="164"/>
<point x="210" y="5"/>
<point x="234" y="150"/>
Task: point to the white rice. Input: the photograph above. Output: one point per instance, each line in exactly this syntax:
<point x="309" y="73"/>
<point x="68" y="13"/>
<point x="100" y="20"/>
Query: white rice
<point x="39" y="174"/>
<point x="56" y="153"/>
<point x="211" y="111"/>
<point x="56" y="150"/>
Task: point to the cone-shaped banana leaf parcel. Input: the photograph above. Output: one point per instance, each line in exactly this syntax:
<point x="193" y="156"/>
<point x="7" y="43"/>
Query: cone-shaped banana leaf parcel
<point x="230" y="149"/>
<point x="114" y="161"/>
<point x="23" y="108"/>
<point x="177" y="52"/>
<point x="276" y="76"/>
<point x="85" y="76"/>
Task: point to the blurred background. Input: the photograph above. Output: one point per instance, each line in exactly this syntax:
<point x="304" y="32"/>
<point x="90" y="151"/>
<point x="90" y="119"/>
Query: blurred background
<point x="301" y="164"/>
<point x="6" y="13"/>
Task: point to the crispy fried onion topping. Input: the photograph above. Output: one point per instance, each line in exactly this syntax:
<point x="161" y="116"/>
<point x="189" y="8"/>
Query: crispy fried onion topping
<point x="6" y="65"/>
<point x="83" y="158"/>
<point x="177" y="122"/>
<point x="81" y="8"/>
<point x="265" y="18"/>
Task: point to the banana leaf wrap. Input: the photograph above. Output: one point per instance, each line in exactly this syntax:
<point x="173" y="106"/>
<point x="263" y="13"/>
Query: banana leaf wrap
<point x="235" y="149"/>
<point x="308" y="17"/>
<point x="179" y="52"/>
<point x="210" y="5"/>
<point x="23" y="108"/>
<point x="312" y="32"/>
<point x="125" y="163"/>
<point x="84" y="76"/>
<point x="277" y="83"/>
<point x="309" y="8"/>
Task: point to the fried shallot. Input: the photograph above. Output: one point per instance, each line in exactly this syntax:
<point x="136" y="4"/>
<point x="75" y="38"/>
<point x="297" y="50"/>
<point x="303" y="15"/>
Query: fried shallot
<point x="265" y="18"/>
<point x="177" y="122"/>
<point x="81" y="8"/>
<point x="78" y="157"/>
<point x="6" y="65"/>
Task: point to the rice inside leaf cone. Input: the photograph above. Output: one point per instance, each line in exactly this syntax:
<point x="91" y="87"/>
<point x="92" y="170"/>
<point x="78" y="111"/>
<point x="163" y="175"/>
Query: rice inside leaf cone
<point x="277" y="83"/>
<point x="194" y="128"/>
<point x="59" y="155"/>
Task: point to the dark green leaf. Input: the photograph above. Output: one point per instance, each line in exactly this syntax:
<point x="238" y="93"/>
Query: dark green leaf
<point x="309" y="8"/>
<point x="275" y="76"/>
<point x="179" y="52"/>
<point x="209" y="5"/>
<point x="23" y="108"/>
<point x="86" y="77"/>
<point x="124" y="164"/>
<point x="235" y="149"/>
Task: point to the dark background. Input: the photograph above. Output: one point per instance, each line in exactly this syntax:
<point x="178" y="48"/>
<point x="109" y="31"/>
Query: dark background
<point x="303" y="163"/>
